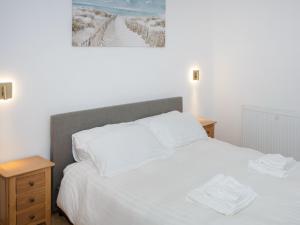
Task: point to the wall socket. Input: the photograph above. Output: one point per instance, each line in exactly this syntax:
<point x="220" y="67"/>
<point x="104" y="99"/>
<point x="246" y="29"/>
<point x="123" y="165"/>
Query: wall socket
<point x="5" y="91"/>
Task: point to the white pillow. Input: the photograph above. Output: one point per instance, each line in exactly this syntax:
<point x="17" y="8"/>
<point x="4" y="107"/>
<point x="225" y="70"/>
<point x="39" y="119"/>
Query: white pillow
<point x="147" y="121"/>
<point x="80" y="139"/>
<point x="175" y="129"/>
<point x="125" y="148"/>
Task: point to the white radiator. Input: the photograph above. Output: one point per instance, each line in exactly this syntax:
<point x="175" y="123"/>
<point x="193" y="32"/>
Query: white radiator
<point x="271" y="131"/>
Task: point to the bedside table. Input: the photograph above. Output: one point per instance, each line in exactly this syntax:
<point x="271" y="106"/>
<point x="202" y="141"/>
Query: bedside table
<point x="25" y="192"/>
<point x="208" y="125"/>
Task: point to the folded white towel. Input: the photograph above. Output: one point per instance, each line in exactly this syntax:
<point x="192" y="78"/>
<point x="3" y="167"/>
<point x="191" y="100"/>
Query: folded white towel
<point x="223" y="194"/>
<point x="273" y="164"/>
<point x="276" y="161"/>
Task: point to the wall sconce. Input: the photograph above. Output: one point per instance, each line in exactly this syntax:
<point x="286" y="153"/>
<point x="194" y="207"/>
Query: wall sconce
<point x="5" y="91"/>
<point x="196" y="75"/>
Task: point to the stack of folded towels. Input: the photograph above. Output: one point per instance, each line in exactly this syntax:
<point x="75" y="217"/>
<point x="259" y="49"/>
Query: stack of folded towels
<point x="223" y="194"/>
<point x="273" y="164"/>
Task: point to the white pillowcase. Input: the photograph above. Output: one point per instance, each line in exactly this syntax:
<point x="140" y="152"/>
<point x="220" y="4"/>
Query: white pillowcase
<point x="80" y="139"/>
<point x="118" y="148"/>
<point x="125" y="148"/>
<point x="175" y="129"/>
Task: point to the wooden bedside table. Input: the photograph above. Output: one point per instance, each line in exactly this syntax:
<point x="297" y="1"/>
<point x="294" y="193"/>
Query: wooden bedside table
<point x="208" y="125"/>
<point x="25" y="192"/>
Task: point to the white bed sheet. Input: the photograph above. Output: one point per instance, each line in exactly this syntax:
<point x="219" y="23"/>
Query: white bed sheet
<point x="155" y="193"/>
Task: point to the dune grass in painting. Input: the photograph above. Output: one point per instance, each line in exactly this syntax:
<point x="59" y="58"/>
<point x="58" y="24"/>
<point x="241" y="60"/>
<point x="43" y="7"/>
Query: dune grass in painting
<point x="118" y="23"/>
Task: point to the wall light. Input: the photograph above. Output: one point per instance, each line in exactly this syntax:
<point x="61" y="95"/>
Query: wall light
<point x="6" y="90"/>
<point x="196" y="75"/>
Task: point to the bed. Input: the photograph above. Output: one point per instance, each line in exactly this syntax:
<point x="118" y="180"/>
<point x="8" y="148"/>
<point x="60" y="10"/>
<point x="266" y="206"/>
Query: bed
<point x="155" y="194"/>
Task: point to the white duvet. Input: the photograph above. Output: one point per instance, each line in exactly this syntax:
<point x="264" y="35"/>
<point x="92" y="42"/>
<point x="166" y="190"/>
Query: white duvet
<point x="155" y="194"/>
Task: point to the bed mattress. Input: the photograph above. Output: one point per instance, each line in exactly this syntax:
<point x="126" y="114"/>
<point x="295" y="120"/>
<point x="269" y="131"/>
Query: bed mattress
<point x="155" y="194"/>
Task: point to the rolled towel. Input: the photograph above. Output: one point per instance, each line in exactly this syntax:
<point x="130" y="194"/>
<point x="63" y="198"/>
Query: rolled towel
<point x="273" y="164"/>
<point x="223" y="194"/>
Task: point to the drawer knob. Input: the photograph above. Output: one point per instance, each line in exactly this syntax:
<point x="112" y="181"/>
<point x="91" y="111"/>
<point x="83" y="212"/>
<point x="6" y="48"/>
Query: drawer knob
<point x="32" y="217"/>
<point x="31" y="183"/>
<point x="31" y="200"/>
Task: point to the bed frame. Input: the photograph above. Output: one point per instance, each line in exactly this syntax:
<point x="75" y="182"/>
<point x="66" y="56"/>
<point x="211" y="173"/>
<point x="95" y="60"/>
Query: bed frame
<point x="64" y="125"/>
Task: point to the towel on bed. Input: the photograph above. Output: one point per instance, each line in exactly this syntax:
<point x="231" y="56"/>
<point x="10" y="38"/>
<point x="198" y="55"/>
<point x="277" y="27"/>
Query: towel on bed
<point x="223" y="194"/>
<point x="273" y="164"/>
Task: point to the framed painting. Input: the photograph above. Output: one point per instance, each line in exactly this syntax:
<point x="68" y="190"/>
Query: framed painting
<point x="118" y="23"/>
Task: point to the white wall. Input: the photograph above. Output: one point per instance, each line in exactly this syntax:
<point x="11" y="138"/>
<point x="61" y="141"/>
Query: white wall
<point x="53" y="77"/>
<point x="256" y="53"/>
<point x="248" y="52"/>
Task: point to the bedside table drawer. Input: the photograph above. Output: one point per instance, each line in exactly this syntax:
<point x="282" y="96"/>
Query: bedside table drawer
<point x="31" y="199"/>
<point x="25" y="192"/>
<point x="30" y="182"/>
<point x="31" y="216"/>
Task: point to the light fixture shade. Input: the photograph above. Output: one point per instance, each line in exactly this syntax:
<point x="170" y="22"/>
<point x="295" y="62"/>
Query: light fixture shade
<point x="196" y="75"/>
<point x="6" y="90"/>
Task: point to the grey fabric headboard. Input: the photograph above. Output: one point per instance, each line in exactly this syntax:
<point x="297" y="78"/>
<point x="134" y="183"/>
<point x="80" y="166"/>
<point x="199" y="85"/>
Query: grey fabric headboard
<point x="64" y="125"/>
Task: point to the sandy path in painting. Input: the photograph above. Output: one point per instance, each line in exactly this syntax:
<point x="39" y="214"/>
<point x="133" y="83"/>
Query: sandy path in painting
<point x="117" y="34"/>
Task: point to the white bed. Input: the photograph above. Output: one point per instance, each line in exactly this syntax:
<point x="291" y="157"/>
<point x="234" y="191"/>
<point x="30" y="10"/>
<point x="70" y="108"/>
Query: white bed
<point x="155" y="193"/>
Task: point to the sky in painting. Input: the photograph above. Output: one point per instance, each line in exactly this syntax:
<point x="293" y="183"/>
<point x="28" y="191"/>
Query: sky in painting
<point x="126" y="7"/>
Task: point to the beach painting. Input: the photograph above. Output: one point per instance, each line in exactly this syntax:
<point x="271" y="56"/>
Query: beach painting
<point x="118" y="23"/>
